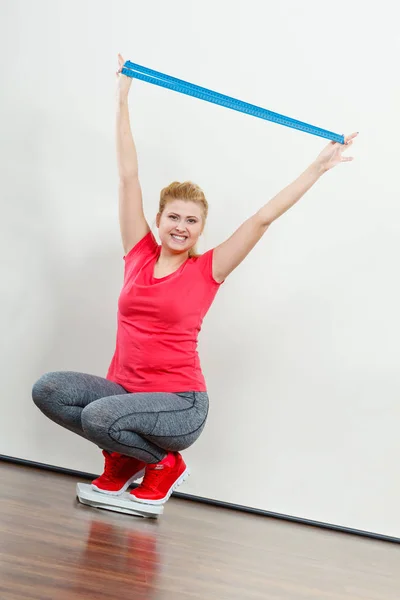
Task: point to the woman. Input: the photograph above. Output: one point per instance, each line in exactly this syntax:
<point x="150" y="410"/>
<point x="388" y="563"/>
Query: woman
<point x="153" y="402"/>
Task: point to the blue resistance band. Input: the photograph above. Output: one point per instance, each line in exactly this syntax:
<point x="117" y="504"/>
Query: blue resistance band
<point x="131" y="69"/>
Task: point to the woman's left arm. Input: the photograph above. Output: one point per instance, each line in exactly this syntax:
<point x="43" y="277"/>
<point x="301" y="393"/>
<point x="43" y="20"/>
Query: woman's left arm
<point x="228" y="255"/>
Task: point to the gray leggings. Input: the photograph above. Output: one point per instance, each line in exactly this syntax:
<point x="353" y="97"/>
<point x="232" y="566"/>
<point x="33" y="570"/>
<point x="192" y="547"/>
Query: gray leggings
<point x="143" y="425"/>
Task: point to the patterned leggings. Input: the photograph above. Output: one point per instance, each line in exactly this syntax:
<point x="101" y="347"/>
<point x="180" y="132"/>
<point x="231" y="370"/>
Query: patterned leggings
<point x="143" y="425"/>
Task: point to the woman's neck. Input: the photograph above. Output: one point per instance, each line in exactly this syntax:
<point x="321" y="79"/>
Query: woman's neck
<point x="168" y="262"/>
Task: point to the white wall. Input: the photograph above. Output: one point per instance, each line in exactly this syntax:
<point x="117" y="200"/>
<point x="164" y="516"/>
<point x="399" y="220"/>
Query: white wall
<point x="301" y="348"/>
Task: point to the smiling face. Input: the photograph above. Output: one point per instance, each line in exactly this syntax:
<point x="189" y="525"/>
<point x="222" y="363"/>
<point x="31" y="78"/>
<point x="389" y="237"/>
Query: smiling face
<point x="180" y="225"/>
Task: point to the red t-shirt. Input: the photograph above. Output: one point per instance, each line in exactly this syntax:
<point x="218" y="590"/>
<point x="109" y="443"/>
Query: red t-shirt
<point x="159" y="321"/>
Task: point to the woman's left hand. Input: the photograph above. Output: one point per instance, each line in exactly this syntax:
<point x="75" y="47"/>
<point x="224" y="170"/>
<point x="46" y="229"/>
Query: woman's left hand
<point x="331" y="155"/>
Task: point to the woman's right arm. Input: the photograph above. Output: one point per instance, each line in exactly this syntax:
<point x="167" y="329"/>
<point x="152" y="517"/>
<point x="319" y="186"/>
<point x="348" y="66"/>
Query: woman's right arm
<point x="132" y="221"/>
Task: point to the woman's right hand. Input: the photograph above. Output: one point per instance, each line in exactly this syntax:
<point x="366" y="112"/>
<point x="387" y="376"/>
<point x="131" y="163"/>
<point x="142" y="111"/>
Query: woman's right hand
<point x="123" y="82"/>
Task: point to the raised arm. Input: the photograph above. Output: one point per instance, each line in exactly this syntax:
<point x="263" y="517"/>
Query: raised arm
<point x="132" y="221"/>
<point x="230" y="253"/>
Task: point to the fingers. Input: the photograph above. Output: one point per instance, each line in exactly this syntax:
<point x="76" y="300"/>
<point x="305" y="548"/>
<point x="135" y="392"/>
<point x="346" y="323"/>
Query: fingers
<point x="350" y="137"/>
<point x="121" y="63"/>
<point x="348" y="141"/>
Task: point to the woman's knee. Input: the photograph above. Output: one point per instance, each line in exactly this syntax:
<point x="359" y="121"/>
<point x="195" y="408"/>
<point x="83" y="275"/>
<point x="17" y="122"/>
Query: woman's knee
<point x="96" y="420"/>
<point x="43" y="390"/>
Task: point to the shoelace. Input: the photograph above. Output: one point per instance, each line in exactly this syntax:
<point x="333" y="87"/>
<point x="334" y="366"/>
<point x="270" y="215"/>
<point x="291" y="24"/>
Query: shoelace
<point x="112" y="466"/>
<point x="151" y="478"/>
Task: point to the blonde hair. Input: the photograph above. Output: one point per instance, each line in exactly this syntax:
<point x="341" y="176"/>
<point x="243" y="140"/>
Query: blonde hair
<point x="189" y="192"/>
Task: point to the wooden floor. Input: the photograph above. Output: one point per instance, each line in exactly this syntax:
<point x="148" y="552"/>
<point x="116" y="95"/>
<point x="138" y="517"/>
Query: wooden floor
<point x="53" y="548"/>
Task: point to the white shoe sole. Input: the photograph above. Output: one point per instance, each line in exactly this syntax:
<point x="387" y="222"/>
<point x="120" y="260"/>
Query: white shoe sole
<point x="122" y="504"/>
<point x="177" y="483"/>
<point x="123" y="489"/>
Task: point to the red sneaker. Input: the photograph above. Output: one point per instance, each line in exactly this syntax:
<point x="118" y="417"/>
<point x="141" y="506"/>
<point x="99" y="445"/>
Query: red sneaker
<point x="161" y="480"/>
<point x="119" y="472"/>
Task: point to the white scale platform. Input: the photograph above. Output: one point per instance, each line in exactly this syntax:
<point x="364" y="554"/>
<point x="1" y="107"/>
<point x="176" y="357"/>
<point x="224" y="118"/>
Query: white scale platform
<point x="122" y="503"/>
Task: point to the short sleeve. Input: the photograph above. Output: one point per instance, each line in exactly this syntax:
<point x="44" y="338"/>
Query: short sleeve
<point x="204" y="263"/>
<point x="147" y="245"/>
<point x="140" y="253"/>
